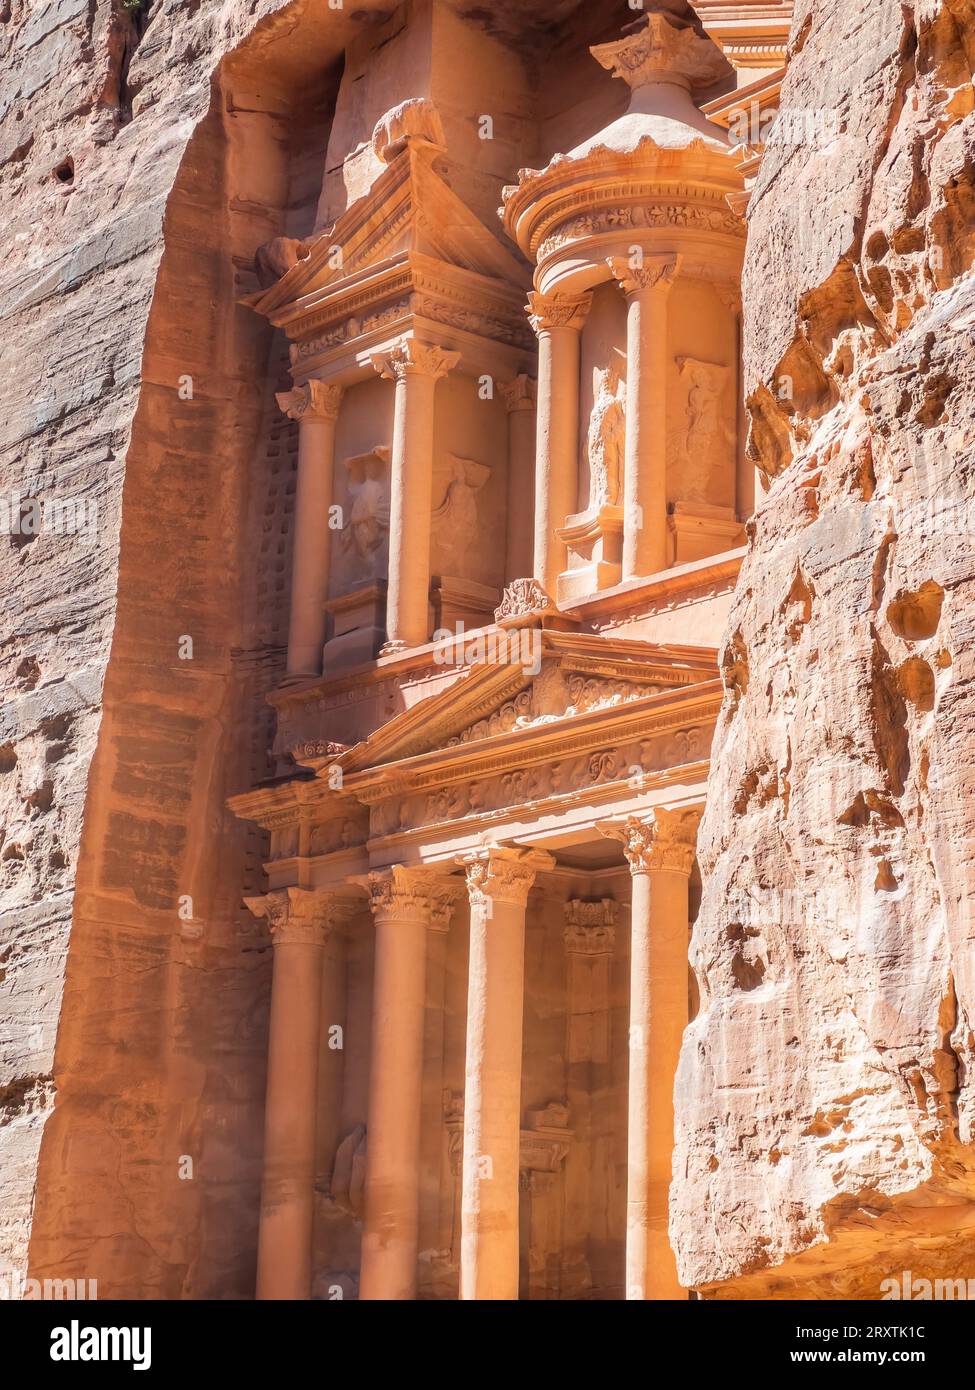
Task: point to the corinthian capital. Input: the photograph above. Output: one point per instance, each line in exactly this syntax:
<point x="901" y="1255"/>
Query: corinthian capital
<point x="662" y="48"/>
<point x="664" y="840"/>
<point x="557" y="310"/>
<point x="590" y="928"/>
<point x="297" y="916"/>
<point x="417" y="359"/>
<point x="318" y="400"/>
<point x="418" y="894"/>
<point x="519" y="393"/>
<point x="499" y="874"/>
<point x="653" y="272"/>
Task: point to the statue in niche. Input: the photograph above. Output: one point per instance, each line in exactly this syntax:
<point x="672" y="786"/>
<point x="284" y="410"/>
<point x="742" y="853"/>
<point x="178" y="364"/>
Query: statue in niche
<point x="368" y="524"/>
<point x="702" y="446"/>
<point x="456" y="518"/>
<point x="607" y="438"/>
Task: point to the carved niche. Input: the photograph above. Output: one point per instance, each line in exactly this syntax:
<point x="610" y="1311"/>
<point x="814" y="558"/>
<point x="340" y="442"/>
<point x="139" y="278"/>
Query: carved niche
<point x="366" y="533"/>
<point x="457" y="525"/>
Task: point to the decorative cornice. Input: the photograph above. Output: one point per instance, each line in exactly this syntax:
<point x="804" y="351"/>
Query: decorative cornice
<point x="315" y="400"/>
<point x="412" y="358"/>
<point x="665" y="840"/>
<point x="547" y="311"/>
<point x="412" y="895"/>
<point x="653" y="272"/>
<point x="590" y="928"/>
<point x="499" y="874"/>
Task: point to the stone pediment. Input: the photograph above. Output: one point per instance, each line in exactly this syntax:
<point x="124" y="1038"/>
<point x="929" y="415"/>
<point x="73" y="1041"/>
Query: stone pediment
<point x="410" y="215"/>
<point x="572" y="675"/>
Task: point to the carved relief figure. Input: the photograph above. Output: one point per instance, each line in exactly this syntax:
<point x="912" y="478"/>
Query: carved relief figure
<point x="705" y="435"/>
<point x="456" y="518"/>
<point x="607" y="436"/>
<point x="368" y="524"/>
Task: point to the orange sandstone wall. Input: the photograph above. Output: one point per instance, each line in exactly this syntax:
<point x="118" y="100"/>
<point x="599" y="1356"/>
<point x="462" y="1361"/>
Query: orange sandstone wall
<point x="825" y="1089"/>
<point x="132" y="1008"/>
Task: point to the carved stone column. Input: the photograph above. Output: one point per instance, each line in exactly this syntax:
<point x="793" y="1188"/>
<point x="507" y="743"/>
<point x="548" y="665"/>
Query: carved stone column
<point x="405" y="904"/>
<point x="519" y="398"/>
<point x="558" y="321"/>
<point x="645" y="474"/>
<point x="498" y="883"/>
<point x="416" y="368"/>
<point x="316" y="407"/>
<point x="299" y="920"/>
<point x="660" y="852"/>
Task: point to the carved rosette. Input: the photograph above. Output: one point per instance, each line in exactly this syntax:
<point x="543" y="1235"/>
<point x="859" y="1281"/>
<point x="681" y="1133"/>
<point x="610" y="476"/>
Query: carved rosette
<point x="666" y="840"/>
<point x="548" y="311"/>
<point x="655" y="273"/>
<point x="590" y="928"/>
<point x="503" y="875"/>
<point x="315" y="400"/>
<point x="520" y="393"/>
<point x="299" y="916"/>
<point x="402" y="894"/>
<point x="411" y="358"/>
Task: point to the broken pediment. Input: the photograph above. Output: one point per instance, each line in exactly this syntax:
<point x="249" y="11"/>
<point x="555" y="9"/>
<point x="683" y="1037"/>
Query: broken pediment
<point x="409" y="242"/>
<point x="540" y="678"/>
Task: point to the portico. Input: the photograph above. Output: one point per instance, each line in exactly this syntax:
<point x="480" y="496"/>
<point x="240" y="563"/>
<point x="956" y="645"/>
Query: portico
<point x="517" y="813"/>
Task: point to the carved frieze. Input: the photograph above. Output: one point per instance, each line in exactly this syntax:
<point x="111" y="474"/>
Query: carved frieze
<point x="638" y="217"/>
<point x="512" y="789"/>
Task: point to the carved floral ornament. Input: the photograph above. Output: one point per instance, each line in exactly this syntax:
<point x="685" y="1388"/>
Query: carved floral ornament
<point x="509" y="784"/>
<point x="412" y="895"/>
<point x="590" y="927"/>
<point x="411" y="358"/>
<point x="499" y="874"/>
<point x="316" y="400"/>
<point x="301" y="916"/>
<point x="665" y="840"/>
<point x="548" y="311"/>
<point x="653" y="273"/>
<point x="521" y="598"/>
<point x="634" y="219"/>
<point x="662" y="50"/>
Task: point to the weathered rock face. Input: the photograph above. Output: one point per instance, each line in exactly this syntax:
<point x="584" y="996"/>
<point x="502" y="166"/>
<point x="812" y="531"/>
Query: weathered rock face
<point x="825" y="1092"/>
<point x="133" y="387"/>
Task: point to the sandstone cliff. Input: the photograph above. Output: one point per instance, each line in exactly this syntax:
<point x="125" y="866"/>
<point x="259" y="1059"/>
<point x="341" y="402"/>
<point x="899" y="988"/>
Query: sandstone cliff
<point x="127" y="197"/>
<point x="825" y="1088"/>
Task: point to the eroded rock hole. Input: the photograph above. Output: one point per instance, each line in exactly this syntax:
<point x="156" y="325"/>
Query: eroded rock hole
<point x="915" y="614"/>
